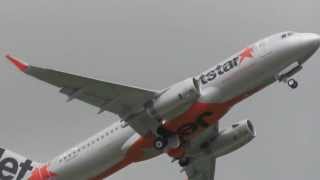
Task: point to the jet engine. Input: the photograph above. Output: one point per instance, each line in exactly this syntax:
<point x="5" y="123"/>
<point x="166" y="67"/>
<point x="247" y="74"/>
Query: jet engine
<point x="232" y="139"/>
<point x="174" y="100"/>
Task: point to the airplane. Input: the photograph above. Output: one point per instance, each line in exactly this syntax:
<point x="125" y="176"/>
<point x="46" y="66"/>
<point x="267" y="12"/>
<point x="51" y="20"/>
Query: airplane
<point x="181" y="121"/>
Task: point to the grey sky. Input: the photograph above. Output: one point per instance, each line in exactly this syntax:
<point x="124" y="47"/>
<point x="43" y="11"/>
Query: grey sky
<point x="153" y="44"/>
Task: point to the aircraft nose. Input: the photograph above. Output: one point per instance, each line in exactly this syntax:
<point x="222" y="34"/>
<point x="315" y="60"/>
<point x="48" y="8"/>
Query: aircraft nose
<point x="312" y="41"/>
<point x="317" y="40"/>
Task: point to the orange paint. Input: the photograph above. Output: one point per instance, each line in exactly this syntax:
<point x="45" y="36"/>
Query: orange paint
<point x="136" y="152"/>
<point x="18" y="63"/>
<point x="246" y="53"/>
<point x="42" y="173"/>
<point x="176" y="153"/>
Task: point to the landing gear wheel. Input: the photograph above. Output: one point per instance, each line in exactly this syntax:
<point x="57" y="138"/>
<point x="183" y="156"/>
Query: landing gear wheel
<point x="162" y="131"/>
<point x="183" y="162"/>
<point x="292" y="83"/>
<point x="160" y="143"/>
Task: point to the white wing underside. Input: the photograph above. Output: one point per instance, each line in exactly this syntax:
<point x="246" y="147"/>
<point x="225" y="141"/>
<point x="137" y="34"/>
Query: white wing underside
<point x="115" y="98"/>
<point x="201" y="169"/>
<point x="202" y="166"/>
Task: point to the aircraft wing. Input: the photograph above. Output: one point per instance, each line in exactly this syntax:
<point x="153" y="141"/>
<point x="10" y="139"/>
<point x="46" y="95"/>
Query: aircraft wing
<point x="202" y="166"/>
<point x="201" y="169"/>
<point x="116" y="98"/>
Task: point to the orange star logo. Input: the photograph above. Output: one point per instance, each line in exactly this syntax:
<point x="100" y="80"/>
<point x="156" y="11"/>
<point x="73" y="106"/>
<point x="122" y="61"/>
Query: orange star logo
<point x="246" y="53"/>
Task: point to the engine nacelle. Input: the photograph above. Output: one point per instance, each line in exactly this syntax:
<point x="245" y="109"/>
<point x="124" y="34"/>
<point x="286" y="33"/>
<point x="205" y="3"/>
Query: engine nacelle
<point x="232" y="139"/>
<point x="174" y="100"/>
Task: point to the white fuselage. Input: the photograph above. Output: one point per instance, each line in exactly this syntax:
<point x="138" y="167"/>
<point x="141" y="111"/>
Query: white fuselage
<point x="253" y="68"/>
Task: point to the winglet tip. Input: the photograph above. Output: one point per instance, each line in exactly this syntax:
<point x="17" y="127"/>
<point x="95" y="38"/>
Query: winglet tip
<point x="18" y="63"/>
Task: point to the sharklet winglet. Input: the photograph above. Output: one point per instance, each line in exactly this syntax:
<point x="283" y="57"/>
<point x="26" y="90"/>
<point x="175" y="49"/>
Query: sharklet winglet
<point x="18" y="63"/>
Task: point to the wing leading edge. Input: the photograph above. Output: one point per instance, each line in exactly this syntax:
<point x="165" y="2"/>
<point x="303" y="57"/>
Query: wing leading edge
<point x="116" y="98"/>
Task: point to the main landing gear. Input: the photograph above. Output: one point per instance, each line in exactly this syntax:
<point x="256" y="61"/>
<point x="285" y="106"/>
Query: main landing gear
<point x="166" y="139"/>
<point x="160" y="143"/>
<point x="185" y="161"/>
<point x="169" y="140"/>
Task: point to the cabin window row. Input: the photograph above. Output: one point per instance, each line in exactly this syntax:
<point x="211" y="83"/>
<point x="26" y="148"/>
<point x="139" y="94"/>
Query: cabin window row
<point x="92" y="142"/>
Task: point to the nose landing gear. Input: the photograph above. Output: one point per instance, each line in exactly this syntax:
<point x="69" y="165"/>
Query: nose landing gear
<point x="288" y="72"/>
<point x="292" y="83"/>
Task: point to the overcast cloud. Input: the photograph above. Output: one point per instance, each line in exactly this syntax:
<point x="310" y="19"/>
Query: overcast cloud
<point x="153" y="44"/>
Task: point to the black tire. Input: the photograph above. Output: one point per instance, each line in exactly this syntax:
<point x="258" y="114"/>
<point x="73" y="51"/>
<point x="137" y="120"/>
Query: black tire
<point x="160" y="143"/>
<point x="183" y="162"/>
<point x="292" y="83"/>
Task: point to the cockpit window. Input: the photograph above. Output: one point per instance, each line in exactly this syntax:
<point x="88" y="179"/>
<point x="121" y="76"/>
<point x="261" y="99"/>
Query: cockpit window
<point x="287" y="34"/>
<point x="290" y="33"/>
